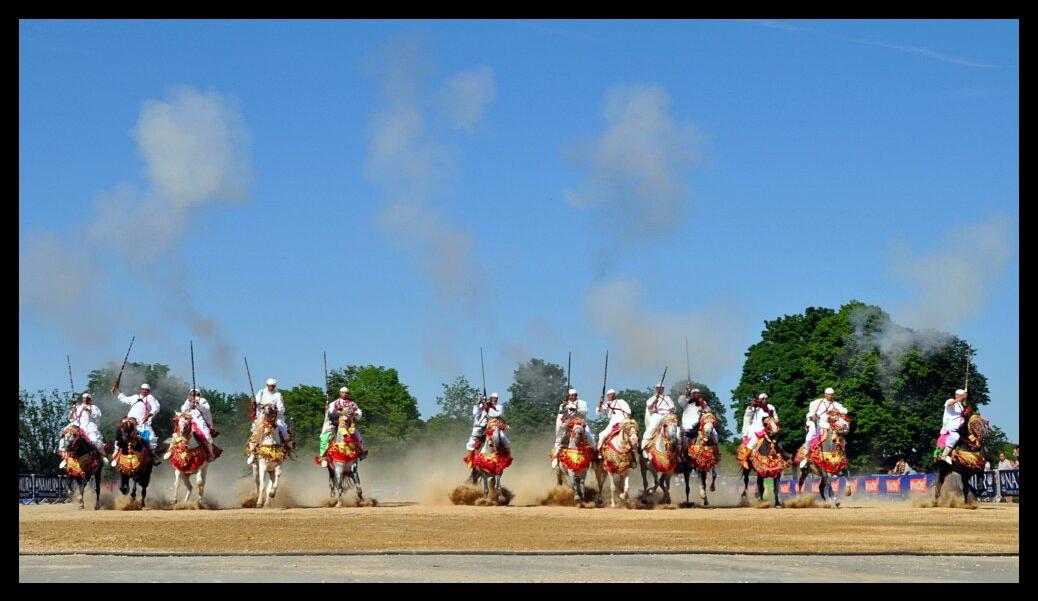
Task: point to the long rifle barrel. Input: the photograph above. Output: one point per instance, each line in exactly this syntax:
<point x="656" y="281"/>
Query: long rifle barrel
<point x="120" y="376"/>
<point x="72" y="386"/>
<point x="327" y="390"/>
<point x="252" y="392"/>
<point x="688" y="363"/>
<point x="969" y="351"/>
<point x="194" y="386"/>
<point x="484" y="372"/>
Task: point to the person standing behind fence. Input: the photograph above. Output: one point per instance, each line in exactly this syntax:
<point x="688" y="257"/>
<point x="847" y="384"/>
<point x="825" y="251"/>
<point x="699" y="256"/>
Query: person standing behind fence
<point x="1003" y="464"/>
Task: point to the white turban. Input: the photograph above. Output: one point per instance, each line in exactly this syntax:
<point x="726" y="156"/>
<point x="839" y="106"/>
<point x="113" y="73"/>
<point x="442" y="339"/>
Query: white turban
<point x="493" y="396"/>
<point x="659" y="384"/>
<point x="695" y="390"/>
<point x="611" y="391"/>
<point x="830" y="391"/>
<point x="86" y="395"/>
<point x="344" y="389"/>
<point x="193" y="390"/>
<point x="572" y="391"/>
<point x="145" y="387"/>
<point x="762" y="396"/>
<point x="960" y="391"/>
<point x="271" y="382"/>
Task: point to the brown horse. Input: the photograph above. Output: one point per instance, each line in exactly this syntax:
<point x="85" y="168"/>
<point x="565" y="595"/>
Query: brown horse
<point x="82" y="462"/>
<point x="134" y="459"/>
<point x="967" y="459"/>
<point x="765" y="459"/>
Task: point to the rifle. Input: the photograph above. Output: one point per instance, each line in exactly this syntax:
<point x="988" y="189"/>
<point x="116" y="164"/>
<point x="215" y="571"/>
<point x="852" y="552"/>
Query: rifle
<point x="120" y="376"/>
<point x="969" y="352"/>
<point x="195" y="394"/>
<point x="657" y="399"/>
<point x="252" y="392"/>
<point x="72" y="387"/>
<point x="604" y="377"/>
<point x="688" y="366"/>
<point x="484" y="372"/>
<point x="327" y="390"/>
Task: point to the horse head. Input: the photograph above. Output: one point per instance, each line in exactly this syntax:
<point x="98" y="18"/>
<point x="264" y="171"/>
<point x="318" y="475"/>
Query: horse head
<point x="71" y="436"/>
<point x="629" y="438"/>
<point x="492" y="436"/>
<point x="977" y="429"/>
<point x="840" y="423"/>
<point x="706" y="425"/>
<point x="669" y="431"/>
<point x="182" y="424"/>
<point x="127" y="436"/>
<point x="576" y="431"/>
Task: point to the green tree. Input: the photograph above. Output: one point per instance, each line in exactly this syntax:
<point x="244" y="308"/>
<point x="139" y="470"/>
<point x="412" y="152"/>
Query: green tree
<point x="454" y="420"/>
<point x="892" y="379"/>
<point x="304" y="414"/>
<point x="391" y="417"/>
<point x="535" y="394"/>
<point x="41" y="418"/>
<point x="230" y="415"/>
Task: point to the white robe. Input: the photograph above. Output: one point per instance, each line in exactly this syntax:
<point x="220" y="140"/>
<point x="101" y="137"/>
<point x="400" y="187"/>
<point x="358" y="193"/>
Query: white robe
<point x="480" y="418"/>
<point x="570" y="410"/>
<point x="819" y="409"/>
<point x="139" y="408"/>
<point x="87" y="418"/>
<point x="653" y="416"/>
<point x="338" y="406"/>
<point x="265" y="397"/>
<point x="619" y="412"/>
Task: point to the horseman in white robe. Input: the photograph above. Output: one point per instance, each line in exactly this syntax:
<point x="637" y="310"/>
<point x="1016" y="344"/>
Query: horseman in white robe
<point x="657" y="407"/>
<point x="482" y="413"/>
<point x="86" y="416"/>
<point x="143" y="407"/>
<point x="619" y="412"/>
<point x="693" y="405"/>
<point x="817" y="419"/>
<point x="951" y="421"/>
<point x="569" y="409"/>
<point x="266" y="397"/>
<point x="343" y="404"/>
<point x="201" y="422"/>
<point x="753" y="420"/>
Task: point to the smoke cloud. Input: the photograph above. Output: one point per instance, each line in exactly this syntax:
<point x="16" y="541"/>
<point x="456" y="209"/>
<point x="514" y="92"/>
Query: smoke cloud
<point x="952" y="285"/>
<point x="635" y="168"/>
<point x="196" y="150"/>
<point x="647" y="340"/>
<point x="408" y="163"/>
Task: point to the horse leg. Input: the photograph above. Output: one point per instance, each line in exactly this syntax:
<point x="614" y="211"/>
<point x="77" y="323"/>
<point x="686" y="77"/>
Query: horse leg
<point x="745" y="482"/>
<point x="702" y="488"/>
<point x="82" y="487"/>
<point x="261" y="482"/>
<point x="124" y="483"/>
<point x="686" y="470"/>
<point x="665" y="485"/>
<point x="775" y="491"/>
<point x="176" y="484"/>
<point x="201" y="481"/>
<point x="760" y="488"/>
<point x="274" y="482"/>
<point x="97" y="489"/>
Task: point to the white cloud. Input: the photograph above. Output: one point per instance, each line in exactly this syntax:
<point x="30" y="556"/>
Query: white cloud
<point x="466" y="95"/>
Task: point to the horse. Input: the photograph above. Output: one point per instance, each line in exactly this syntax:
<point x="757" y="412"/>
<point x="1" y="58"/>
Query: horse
<point x="826" y="459"/>
<point x="270" y="453"/>
<point x="663" y="457"/>
<point x="490" y="462"/>
<point x="702" y="456"/>
<point x="188" y="456"/>
<point x="619" y="454"/>
<point x="82" y="462"/>
<point x="134" y="459"/>
<point x="343" y="455"/>
<point x="967" y="462"/>
<point x="765" y="459"/>
<point x="575" y="458"/>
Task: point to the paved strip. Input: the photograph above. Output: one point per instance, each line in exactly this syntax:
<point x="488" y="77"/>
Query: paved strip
<point x="519" y="568"/>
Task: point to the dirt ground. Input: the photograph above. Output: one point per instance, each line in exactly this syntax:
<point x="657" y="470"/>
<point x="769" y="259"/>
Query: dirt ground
<point x="858" y="526"/>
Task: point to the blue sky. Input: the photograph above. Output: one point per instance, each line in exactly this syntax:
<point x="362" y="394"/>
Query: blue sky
<point x="402" y="193"/>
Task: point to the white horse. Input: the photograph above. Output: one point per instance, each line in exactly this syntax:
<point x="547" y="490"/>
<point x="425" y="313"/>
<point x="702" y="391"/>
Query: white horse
<point x="662" y="456"/>
<point x="343" y="460"/>
<point x="491" y="461"/>
<point x="618" y="457"/>
<point x="270" y="453"/>
<point x="187" y="454"/>
<point x="575" y="459"/>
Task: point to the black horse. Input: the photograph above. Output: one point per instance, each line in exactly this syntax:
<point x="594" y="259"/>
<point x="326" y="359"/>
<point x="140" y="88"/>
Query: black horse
<point x="134" y="460"/>
<point x="967" y="459"/>
<point x="767" y="461"/>
<point x="82" y="462"/>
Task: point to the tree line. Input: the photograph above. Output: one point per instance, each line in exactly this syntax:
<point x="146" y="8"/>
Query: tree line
<point x="893" y="380"/>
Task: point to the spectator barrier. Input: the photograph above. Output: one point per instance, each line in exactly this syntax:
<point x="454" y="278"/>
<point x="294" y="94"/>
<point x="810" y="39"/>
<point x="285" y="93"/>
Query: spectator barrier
<point x="33" y="488"/>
